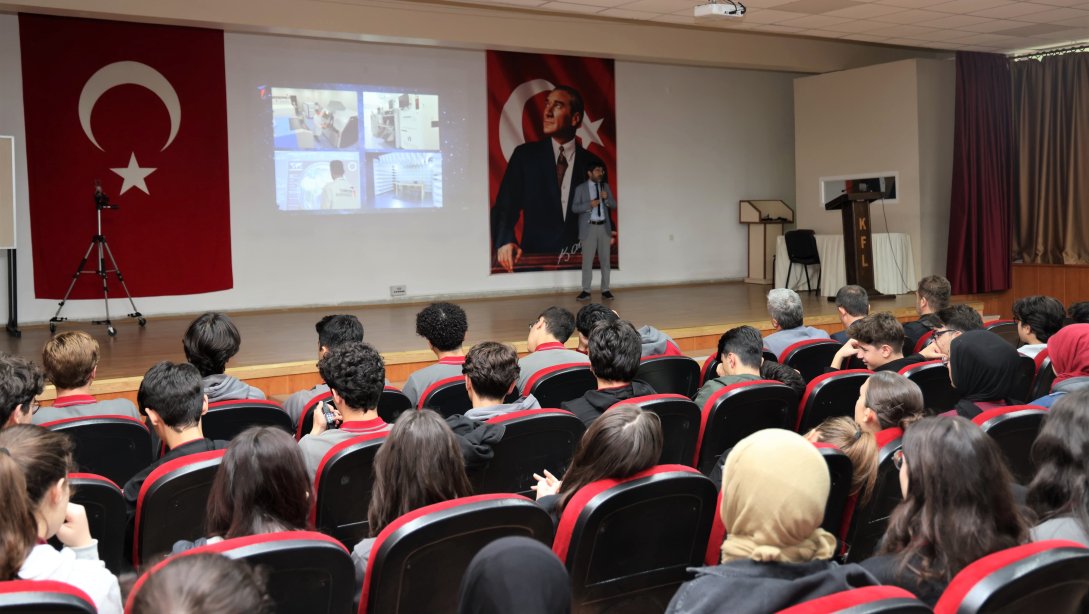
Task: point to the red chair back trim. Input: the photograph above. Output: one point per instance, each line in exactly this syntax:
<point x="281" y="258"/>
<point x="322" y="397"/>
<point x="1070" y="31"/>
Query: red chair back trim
<point x="921" y="343"/>
<point x="651" y="398"/>
<point x="533" y="379"/>
<point x="790" y="349"/>
<point x="574" y="506"/>
<point x="917" y="366"/>
<point x="816" y="382"/>
<point x="713" y="556"/>
<point x="93" y="477"/>
<point x="706" y="365"/>
<point x="446" y="381"/>
<point x="705" y="411"/>
<point x="886" y="436"/>
<point x="526" y="413"/>
<point x="308" y="409"/>
<point x="847" y="599"/>
<point x="253" y="402"/>
<point x="11" y="587"/>
<point x="50" y="425"/>
<point x="983" y="417"/>
<point x="1039" y="359"/>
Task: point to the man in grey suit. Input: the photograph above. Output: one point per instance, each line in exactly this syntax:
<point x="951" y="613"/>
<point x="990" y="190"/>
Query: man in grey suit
<point x="593" y="202"/>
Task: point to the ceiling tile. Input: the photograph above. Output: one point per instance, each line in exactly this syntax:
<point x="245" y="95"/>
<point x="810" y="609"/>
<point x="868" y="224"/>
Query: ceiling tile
<point x="857" y="26"/>
<point x="1055" y="15"/>
<point x="969" y="6"/>
<point x="993" y="25"/>
<point x="911" y="4"/>
<point x="954" y="21"/>
<point x="1012" y="11"/>
<point x="770" y="27"/>
<point x="900" y="31"/>
<point x="771" y="16"/>
<point x="913" y="16"/>
<point x="626" y="14"/>
<point x="1036" y="29"/>
<point x="663" y="6"/>
<point x="864" y="11"/>
<point x="569" y="7"/>
<point x="813" y="21"/>
<point x="817" y="7"/>
<point x="690" y="20"/>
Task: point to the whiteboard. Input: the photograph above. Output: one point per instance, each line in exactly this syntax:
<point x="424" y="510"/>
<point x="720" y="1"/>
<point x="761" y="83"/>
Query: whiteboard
<point x="7" y="192"/>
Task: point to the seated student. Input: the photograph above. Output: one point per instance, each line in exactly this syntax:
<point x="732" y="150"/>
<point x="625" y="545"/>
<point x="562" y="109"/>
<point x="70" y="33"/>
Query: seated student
<point x="261" y="487"/>
<point x="210" y="341"/>
<point x="332" y="331"/>
<point x="204" y="583"/>
<point x="545" y="342"/>
<point x="491" y="371"/>
<point x="71" y="362"/>
<point x="953" y="321"/>
<point x="859" y="445"/>
<point x="740" y="352"/>
<point x="515" y="574"/>
<point x="932" y="296"/>
<point x="983" y="368"/>
<point x="622" y="442"/>
<point x="444" y="326"/>
<point x="1079" y="313"/>
<point x="1059" y="494"/>
<point x="774" y="490"/>
<point x="785" y="309"/>
<point x="853" y="304"/>
<point x="878" y="341"/>
<point x="34" y="465"/>
<point x="1037" y="317"/>
<point x="614" y="360"/>
<point x="356" y="376"/>
<point x="887" y="400"/>
<point x="419" y="464"/>
<point x="172" y="397"/>
<point x="1069" y="353"/>
<point x="957" y="507"/>
<point x="654" y="341"/>
<point x="21" y="381"/>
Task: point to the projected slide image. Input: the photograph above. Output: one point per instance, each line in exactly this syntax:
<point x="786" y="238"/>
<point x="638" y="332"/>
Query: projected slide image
<point x="406" y="180"/>
<point x="400" y="121"/>
<point x="314" y="119"/>
<point x="318" y="181"/>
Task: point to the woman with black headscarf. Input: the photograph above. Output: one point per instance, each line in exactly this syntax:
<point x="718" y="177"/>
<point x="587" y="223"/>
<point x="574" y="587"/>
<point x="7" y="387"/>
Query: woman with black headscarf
<point x="515" y="574"/>
<point x="984" y="370"/>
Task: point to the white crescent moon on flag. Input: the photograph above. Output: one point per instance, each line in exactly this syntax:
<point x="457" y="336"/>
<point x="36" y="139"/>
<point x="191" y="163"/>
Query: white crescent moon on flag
<point x="123" y="73"/>
<point x="510" y="123"/>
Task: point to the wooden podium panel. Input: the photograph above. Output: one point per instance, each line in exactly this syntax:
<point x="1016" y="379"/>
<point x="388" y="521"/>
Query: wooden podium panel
<point x="765" y="219"/>
<point x="857" y="240"/>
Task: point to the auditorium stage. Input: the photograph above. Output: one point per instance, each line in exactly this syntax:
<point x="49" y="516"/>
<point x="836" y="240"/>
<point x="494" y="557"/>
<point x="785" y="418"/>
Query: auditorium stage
<point x="279" y="347"/>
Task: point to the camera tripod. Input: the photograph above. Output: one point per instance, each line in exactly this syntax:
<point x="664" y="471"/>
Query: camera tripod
<point x="99" y="240"/>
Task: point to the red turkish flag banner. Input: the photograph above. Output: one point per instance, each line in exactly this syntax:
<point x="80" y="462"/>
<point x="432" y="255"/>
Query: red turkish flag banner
<point x="518" y="88"/>
<point x="141" y="108"/>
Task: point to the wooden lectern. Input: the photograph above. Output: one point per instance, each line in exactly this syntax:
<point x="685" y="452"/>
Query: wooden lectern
<point x="857" y="243"/>
<point x="765" y="219"/>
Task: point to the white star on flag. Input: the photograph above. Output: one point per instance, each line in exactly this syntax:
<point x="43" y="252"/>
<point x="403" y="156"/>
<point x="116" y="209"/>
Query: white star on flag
<point x="133" y="175"/>
<point x="588" y="131"/>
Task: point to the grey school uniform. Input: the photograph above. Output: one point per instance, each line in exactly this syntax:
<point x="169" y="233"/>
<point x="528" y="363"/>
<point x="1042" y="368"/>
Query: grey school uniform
<point x="420" y="380"/>
<point x="547" y="355"/>
<point x="297" y="402"/>
<point x="84" y="406"/>
<point x="777" y="342"/>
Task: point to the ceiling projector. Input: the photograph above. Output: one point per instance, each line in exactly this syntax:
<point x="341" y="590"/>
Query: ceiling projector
<point x="727" y="9"/>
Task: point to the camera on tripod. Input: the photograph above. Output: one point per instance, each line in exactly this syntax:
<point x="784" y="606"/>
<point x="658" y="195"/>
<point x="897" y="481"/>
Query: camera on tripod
<point x="101" y="200"/>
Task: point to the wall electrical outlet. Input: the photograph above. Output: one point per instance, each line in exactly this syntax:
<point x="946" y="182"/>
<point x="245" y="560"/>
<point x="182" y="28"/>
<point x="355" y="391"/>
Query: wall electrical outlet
<point x="397" y="290"/>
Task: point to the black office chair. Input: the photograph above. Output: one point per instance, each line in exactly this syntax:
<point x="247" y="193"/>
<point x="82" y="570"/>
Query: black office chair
<point x="802" y="249"/>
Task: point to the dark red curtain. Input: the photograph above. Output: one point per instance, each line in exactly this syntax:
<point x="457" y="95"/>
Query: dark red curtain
<point x="980" y="206"/>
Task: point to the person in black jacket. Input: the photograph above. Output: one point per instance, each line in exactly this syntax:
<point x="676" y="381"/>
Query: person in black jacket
<point x="615" y="349"/>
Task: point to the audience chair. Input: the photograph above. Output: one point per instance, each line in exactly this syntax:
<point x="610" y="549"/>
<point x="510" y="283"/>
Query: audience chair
<point x="342" y="489"/>
<point x="554" y="385"/>
<point x="106" y="515"/>
<point x="44" y="596"/>
<point x="768" y="356"/>
<point x="115" y="447"/>
<point x="932" y="377"/>
<point x="713" y="553"/>
<point x="840" y="506"/>
<point x="306" y="421"/>
<point x="1045" y="376"/>
<point x="709" y="370"/>
<point x="668" y="374"/>
<point x="172" y="502"/>
<point x="392" y="403"/>
<point x="418" y="560"/>
<point x="628" y="543"/>
<point x="867" y="525"/>
<point x="1014" y="429"/>
<point x="924" y="341"/>
<point x="533" y="440"/>
<point x="865" y="600"/>
<point x="305" y="571"/>
<point x="1007" y="329"/>
<point x="447" y="396"/>
<point x="227" y="419"/>
<point x="830" y="395"/>
<point x="1025" y="374"/>
<point x="739" y="410"/>
<point x="801" y="247"/>
<point x="1045" y="576"/>
<point x="810" y="357"/>
<point x="680" y="418"/>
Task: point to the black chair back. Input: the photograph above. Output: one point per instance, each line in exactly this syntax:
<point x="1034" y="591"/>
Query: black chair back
<point x="115" y="447"/>
<point x="801" y="246"/>
<point x="227" y="419"/>
<point x="1007" y="329"/>
<point x="342" y="489"/>
<point x="810" y="357"/>
<point x="447" y="397"/>
<point x="840" y="470"/>
<point x="709" y="370"/>
<point x="1045" y="378"/>
<point x="932" y="378"/>
<point x="868" y="521"/>
<point x="555" y="385"/>
<point x="830" y="395"/>
<point x="737" y="411"/>
<point x="533" y="440"/>
<point x="172" y="504"/>
<point x="670" y="374"/>
<point x="680" y="418"/>
<point x="106" y="515"/>
<point x="1014" y="429"/>
<point x="1026" y="372"/>
<point x="392" y="403"/>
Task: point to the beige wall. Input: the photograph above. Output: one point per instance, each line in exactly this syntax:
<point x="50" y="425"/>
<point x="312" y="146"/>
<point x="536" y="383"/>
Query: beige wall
<point x="890" y="117"/>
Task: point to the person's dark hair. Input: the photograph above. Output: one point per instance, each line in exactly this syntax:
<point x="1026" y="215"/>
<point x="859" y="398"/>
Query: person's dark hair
<point x="20" y="381"/>
<point x="419" y="464"/>
<point x="854" y="300"/>
<point x="559" y="323"/>
<point x="210" y="341"/>
<point x="443" y="325"/>
<point x="785" y="307"/>
<point x="897" y="401"/>
<point x="577" y="105"/>
<point x="336" y="168"/>
<point x="174" y="391"/>
<point x="770" y="369"/>
<point x="615" y="349"/>
<point x="950" y="519"/>
<point x="1042" y="314"/>
<point x="261" y="486"/>
<point x="356" y="372"/>
<point x="877" y="330"/>
<point x="960" y="317"/>
<point x="745" y="342"/>
<point x="1061" y="456"/>
<point x="1079" y="312"/>
<point x="32" y="460"/>
<point x="624" y="441"/>
<point x="591" y="315"/>
<point x="205" y="582"/>
<point x="936" y="290"/>
<point x="492" y="368"/>
<point x="337" y="330"/>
